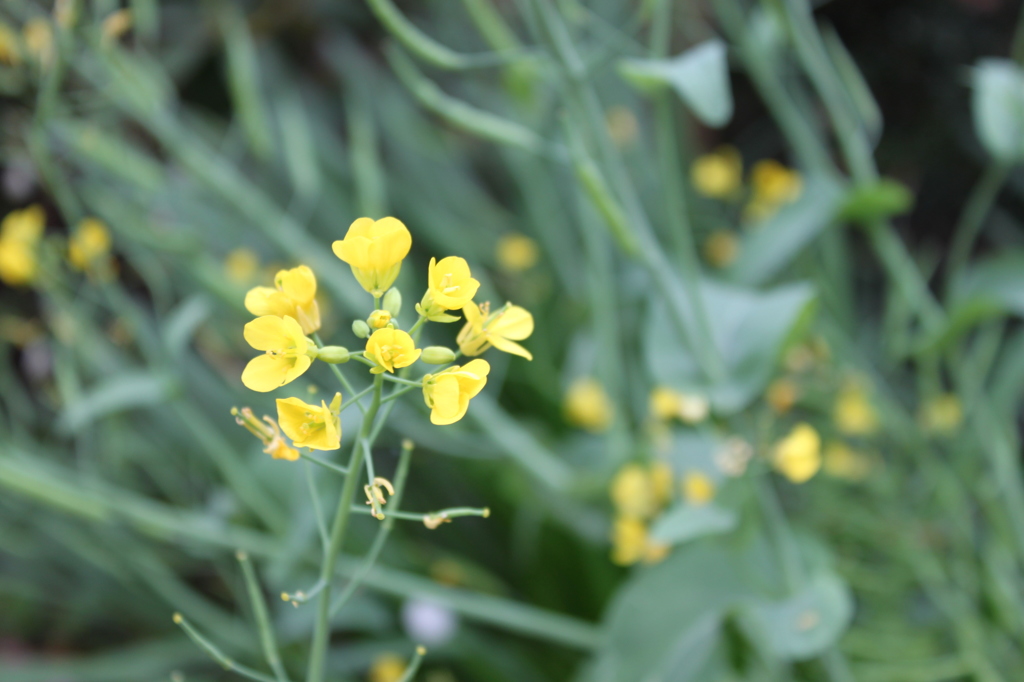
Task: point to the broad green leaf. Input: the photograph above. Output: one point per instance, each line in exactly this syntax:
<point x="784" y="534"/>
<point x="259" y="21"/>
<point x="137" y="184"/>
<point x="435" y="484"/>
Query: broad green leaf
<point x="748" y="328"/>
<point x="700" y="76"/>
<point x="771" y="246"/>
<point x="244" y="79"/>
<point x="664" y="623"/>
<point x="868" y="111"/>
<point x="804" y="624"/>
<point x="998" y="107"/>
<point x="126" y="391"/>
<point x="687" y="522"/>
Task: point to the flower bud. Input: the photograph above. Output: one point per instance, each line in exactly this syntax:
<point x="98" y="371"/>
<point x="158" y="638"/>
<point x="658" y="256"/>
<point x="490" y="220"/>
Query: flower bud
<point x="437" y="355"/>
<point x="360" y="328"/>
<point x="393" y="301"/>
<point x="333" y="354"/>
<point x="379" y="319"/>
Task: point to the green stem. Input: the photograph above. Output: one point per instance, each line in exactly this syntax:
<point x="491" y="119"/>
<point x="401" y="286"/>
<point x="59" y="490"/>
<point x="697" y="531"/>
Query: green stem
<point x="451" y="513"/>
<point x="321" y="630"/>
<point x="341" y="377"/>
<point x="259" y="608"/>
<point x="218" y="655"/>
<point x="324" y="463"/>
<point x="317" y="509"/>
<point x="978" y="205"/>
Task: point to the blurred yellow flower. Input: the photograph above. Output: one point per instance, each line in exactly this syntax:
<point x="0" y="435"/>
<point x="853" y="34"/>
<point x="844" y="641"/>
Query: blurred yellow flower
<point x="622" y="125"/>
<point x="379" y="319"/>
<point x="387" y="667"/>
<point x="854" y="414"/>
<point x="774" y="183"/>
<point x="631" y="543"/>
<point x="293" y="295"/>
<point x="88" y="244"/>
<point x="588" y="406"/>
<point x="311" y="426"/>
<point x="516" y="252"/>
<point x="375" y="250"/>
<point x="286" y="357"/>
<point x="942" y="414"/>
<point x="661" y="483"/>
<point x="38" y="36"/>
<point x="448" y="392"/>
<point x="241" y="265"/>
<point x="20" y="231"/>
<point x="391" y="349"/>
<point x="842" y="461"/>
<point x="721" y="247"/>
<point x="718" y="175"/>
<point x="667" y="403"/>
<point x="115" y="25"/>
<point x="798" y="455"/>
<point x="10" y="51"/>
<point x="501" y="330"/>
<point x="782" y="394"/>
<point x="267" y="431"/>
<point x="450" y="286"/>
<point x="698" y="488"/>
<point x="632" y="492"/>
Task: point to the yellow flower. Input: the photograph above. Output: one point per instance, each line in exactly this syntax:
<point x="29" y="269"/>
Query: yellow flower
<point x="240" y="265"/>
<point x="622" y="125"/>
<point x="501" y="330"/>
<point x="661" y="483"/>
<point x="516" y="252"/>
<point x="375" y="250"/>
<point x="718" y="174"/>
<point x="38" y="37"/>
<point x="782" y="395"/>
<point x="115" y="25"/>
<point x="287" y="353"/>
<point x="774" y="184"/>
<point x="698" y="488"/>
<point x="450" y="286"/>
<point x="667" y="403"/>
<point x="943" y="414"/>
<point x="448" y="392"/>
<point x="19" y="233"/>
<point x="10" y="52"/>
<point x="588" y="406"/>
<point x="293" y="295"/>
<point x="89" y="244"/>
<point x="274" y="443"/>
<point x="310" y="426"/>
<point x="632" y="492"/>
<point x="798" y="455"/>
<point x="387" y="667"/>
<point x="842" y="461"/>
<point x="854" y="414"/>
<point x="391" y="349"/>
<point x="721" y="247"/>
<point x="379" y="319"/>
<point x="631" y="543"/>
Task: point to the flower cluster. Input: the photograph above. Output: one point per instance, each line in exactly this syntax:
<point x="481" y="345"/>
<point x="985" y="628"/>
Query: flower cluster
<point x="288" y="318"/>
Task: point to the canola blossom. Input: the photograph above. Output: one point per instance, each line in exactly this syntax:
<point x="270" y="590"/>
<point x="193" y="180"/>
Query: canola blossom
<point x="375" y="249"/>
<point x="293" y="295"/>
<point x="391" y="349"/>
<point x="501" y="329"/>
<point x="286" y="354"/>
<point x="317" y="427"/>
<point x="448" y="392"/>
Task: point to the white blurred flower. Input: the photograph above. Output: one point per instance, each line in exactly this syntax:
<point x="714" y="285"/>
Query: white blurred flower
<point x="428" y="622"/>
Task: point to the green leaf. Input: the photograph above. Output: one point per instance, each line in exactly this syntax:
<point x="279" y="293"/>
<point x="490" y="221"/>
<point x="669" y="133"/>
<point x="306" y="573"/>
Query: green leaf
<point x="664" y="624"/>
<point x="864" y="103"/>
<point x="748" y="327"/>
<point x="687" y="522"/>
<point x="182" y="322"/>
<point x="803" y="625"/>
<point x="125" y="391"/>
<point x="700" y="76"/>
<point x="998" y="107"/>
<point x="769" y="248"/>
<point x="876" y="200"/>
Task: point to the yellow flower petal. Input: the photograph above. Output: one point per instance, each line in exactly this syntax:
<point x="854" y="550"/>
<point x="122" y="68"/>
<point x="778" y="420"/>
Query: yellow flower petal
<point x="798" y="455"/>
<point x="271" y="332"/>
<point x="264" y="373"/>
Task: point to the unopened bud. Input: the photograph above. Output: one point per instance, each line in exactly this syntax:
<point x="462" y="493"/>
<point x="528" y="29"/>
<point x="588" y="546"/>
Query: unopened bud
<point x="333" y="354"/>
<point x="379" y="319"/>
<point x="393" y="301"/>
<point x="360" y="328"/>
<point x="437" y="355"/>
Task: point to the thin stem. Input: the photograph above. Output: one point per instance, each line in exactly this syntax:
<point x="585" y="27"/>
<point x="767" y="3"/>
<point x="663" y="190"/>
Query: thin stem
<point x="317" y="508"/>
<point x="341" y="377"/>
<point x="401" y="474"/>
<point x="226" y="661"/>
<point x="972" y="218"/>
<point x="398" y="393"/>
<point x="259" y="608"/>
<point x="338" y="469"/>
<point x="399" y="380"/>
<point x="450" y="513"/>
<point x="321" y="631"/>
<point x="416" y="327"/>
<point x="414" y="665"/>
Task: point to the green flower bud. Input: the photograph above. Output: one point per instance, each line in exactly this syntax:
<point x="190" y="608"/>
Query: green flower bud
<point x="437" y="355"/>
<point x="333" y="354"/>
<point x="393" y="301"/>
<point x="360" y="328"/>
